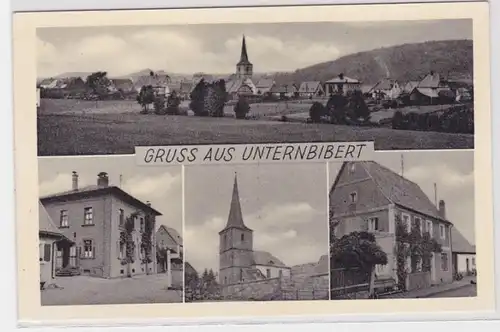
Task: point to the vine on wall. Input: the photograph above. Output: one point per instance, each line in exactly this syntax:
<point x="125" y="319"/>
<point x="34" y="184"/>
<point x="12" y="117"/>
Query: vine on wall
<point x="127" y="239"/>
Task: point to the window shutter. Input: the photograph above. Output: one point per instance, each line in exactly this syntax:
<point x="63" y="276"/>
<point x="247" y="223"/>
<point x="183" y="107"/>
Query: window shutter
<point x="93" y="252"/>
<point x="46" y="252"/>
<point x="80" y="252"/>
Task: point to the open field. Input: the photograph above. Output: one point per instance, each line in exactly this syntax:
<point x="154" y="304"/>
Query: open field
<point x="84" y="290"/>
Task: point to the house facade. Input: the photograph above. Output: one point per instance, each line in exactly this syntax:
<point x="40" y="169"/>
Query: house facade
<point x="463" y="254"/>
<point x="170" y="255"/>
<point x="386" y="89"/>
<point x="369" y="197"/>
<point x="342" y="84"/>
<point x="94" y="218"/>
<point x="311" y="89"/>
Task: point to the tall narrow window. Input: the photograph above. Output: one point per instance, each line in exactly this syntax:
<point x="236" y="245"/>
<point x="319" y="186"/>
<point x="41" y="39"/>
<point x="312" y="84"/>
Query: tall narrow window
<point x="63" y="218"/>
<point x="353" y="197"/>
<point x="88" y="249"/>
<point x="268" y="273"/>
<point x="142" y="225"/>
<point x="88" y="218"/>
<point x="121" y="217"/>
<point x="442" y="231"/>
<point x="406" y="221"/>
<point x="242" y="237"/>
<point x="444" y="262"/>
<point x="418" y="224"/>
<point x="241" y="274"/>
<point x="429" y="227"/>
<point x="373" y="225"/>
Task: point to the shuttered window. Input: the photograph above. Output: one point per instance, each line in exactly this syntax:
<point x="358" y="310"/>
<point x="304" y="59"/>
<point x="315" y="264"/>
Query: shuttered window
<point x="46" y="252"/>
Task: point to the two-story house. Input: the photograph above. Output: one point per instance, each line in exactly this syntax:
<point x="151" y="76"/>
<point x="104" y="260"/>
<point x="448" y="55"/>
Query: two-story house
<point x="367" y="196"/>
<point x="93" y="219"/>
<point x="170" y="255"/>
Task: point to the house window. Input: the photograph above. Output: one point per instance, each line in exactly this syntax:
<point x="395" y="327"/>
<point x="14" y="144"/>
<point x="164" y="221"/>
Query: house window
<point x="353" y="197"/>
<point x="88" y="216"/>
<point x="45" y="252"/>
<point x="429" y="227"/>
<point x="473" y="261"/>
<point x="162" y="244"/>
<point x="406" y="222"/>
<point x="241" y="274"/>
<point x="63" y="218"/>
<point x="142" y="225"/>
<point x="442" y="231"/>
<point x="444" y="262"/>
<point x="242" y="237"/>
<point x="268" y="273"/>
<point x="373" y="224"/>
<point x="379" y="269"/>
<point x="419" y="265"/>
<point x="225" y="280"/>
<point x="121" y="216"/>
<point x="88" y="249"/>
<point x="418" y="224"/>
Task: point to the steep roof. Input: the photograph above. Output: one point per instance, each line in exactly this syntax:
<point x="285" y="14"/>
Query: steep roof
<point x="343" y="79"/>
<point x="235" y="218"/>
<point x="432" y="80"/>
<point x="47" y="227"/>
<point x="429" y="92"/>
<point x="244" y="55"/>
<point x="397" y="189"/>
<point x="173" y="234"/>
<point x="153" y="80"/>
<point x="123" y="83"/>
<point x="95" y="190"/>
<point x="322" y="266"/>
<point x="384" y="84"/>
<point x="265" y="83"/>
<point x="265" y="258"/>
<point x="409" y="86"/>
<point x="459" y="243"/>
<point x="284" y="89"/>
<point x="309" y="87"/>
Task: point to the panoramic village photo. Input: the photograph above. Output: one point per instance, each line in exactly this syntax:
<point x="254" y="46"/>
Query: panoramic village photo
<point x="109" y="232"/>
<point x="402" y="84"/>
<point x="251" y="234"/>
<point x="402" y="226"/>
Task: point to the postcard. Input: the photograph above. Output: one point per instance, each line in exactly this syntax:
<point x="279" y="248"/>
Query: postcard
<point x="190" y="164"/>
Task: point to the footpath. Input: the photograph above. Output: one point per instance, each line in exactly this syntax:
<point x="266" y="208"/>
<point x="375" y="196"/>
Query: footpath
<point x="434" y="290"/>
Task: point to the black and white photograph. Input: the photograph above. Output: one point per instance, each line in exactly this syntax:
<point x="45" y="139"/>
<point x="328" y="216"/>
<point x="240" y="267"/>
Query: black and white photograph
<point x="110" y="232"/>
<point x="402" y="226"/>
<point x="402" y="84"/>
<point x="256" y="233"/>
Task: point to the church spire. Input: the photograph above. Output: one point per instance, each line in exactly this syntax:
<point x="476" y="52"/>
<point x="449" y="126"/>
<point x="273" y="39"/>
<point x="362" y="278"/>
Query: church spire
<point x="235" y="218"/>
<point x="244" y="54"/>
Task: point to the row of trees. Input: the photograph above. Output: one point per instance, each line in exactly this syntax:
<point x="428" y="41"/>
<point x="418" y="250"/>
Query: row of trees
<point x="202" y="287"/>
<point x="359" y="250"/>
<point x="341" y="109"/>
<point x="455" y="120"/>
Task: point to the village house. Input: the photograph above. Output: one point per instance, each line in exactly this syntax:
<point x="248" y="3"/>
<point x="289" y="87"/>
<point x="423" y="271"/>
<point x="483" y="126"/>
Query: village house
<point x="463" y="254"/>
<point x="264" y="86"/>
<point x="367" y="196"/>
<point x="386" y="89"/>
<point x="430" y="90"/>
<point x="93" y="218"/>
<point x="48" y="83"/>
<point x="409" y="86"/>
<point x="159" y="82"/>
<point x="49" y="235"/>
<point x="341" y="84"/>
<point x="125" y="85"/>
<point x="311" y="89"/>
<point x="288" y="90"/>
<point x="170" y="255"/>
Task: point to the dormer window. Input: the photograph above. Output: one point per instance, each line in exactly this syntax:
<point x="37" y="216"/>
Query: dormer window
<point x="353" y="197"/>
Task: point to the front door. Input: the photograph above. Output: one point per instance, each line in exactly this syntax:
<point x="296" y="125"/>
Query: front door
<point x="45" y="257"/>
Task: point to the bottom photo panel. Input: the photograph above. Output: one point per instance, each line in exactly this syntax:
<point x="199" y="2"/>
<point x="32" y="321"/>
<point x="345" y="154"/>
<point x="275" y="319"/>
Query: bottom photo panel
<point x="256" y="233"/>
<point x="109" y="232"/>
<point x="402" y="226"/>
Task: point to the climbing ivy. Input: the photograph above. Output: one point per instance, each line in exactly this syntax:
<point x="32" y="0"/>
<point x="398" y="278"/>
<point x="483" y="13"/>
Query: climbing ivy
<point x="127" y="239"/>
<point x="419" y="247"/>
<point x="147" y="239"/>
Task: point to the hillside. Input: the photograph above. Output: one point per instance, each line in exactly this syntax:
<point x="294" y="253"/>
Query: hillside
<point x="406" y="62"/>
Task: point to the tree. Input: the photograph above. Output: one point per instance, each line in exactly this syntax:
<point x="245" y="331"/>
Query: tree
<point x="241" y="108"/>
<point x="99" y="83"/>
<point x="173" y="103"/>
<point x="415" y="245"/>
<point x="127" y="240"/>
<point x="316" y="111"/>
<point x="357" y="106"/>
<point x="197" y="99"/>
<point x="146" y="96"/>
<point x="200" y="288"/>
<point x="336" y="108"/>
<point x="215" y="98"/>
<point x="147" y="240"/>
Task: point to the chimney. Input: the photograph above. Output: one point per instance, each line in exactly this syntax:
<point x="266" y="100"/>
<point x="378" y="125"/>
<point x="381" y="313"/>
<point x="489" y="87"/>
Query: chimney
<point x="341" y="76"/>
<point x="148" y="203"/>
<point x="102" y="179"/>
<point x="74" y="181"/>
<point x="442" y="209"/>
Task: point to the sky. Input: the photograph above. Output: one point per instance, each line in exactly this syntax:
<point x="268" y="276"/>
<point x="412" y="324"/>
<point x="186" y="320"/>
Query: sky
<point x="162" y="186"/>
<point x="285" y="205"/>
<point x="453" y="173"/>
<point x="215" y="48"/>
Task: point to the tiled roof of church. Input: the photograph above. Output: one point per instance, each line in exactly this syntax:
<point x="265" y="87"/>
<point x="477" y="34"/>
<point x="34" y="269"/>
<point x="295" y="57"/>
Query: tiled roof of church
<point x="267" y="259"/>
<point x="235" y="218"/>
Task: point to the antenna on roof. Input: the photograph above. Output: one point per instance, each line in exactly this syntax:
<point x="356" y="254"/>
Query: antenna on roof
<point x="402" y="165"/>
<point x="435" y="194"/>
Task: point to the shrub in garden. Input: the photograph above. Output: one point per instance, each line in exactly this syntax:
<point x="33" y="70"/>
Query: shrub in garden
<point x="215" y="98"/>
<point x="159" y="105"/>
<point x="433" y="122"/>
<point x="197" y="99"/>
<point x="173" y="103"/>
<point x="422" y="122"/>
<point x="242" y="108"/>
<point x="397" y="120"/>
<point x="316" y="111"/>
<point x="413" y="120"/>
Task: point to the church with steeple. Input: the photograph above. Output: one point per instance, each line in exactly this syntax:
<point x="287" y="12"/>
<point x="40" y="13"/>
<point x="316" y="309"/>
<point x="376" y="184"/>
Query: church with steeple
<point x="238" y="261"/>
<point x="241" y="82"/>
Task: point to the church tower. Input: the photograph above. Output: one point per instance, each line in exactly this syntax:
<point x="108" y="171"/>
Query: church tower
<point x="244" y="69"/>
<point x="235" y="244"/>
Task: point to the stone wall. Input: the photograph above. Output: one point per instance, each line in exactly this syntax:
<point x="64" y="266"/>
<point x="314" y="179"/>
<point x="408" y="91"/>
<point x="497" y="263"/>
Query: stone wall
<point x="254" y="290"/>
<point x="418" y="280"/>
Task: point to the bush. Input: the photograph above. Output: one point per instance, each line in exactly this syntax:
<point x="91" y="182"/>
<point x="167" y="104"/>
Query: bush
<point x="397" y="120"/>
<point x="316" y="111"/>
<point x="242" y="108"/>
<point x="159" y="105"/>
<point x="173" y="103"/>
<point x="422" y="122"/>
<point x="433" y="122"/>
<point x="413" y="121"/>
<point x="198" y="99"/>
